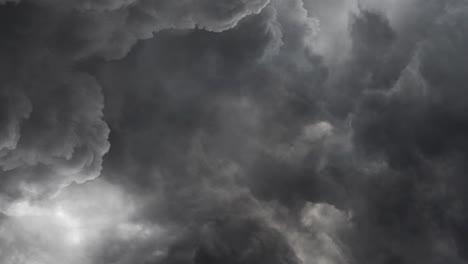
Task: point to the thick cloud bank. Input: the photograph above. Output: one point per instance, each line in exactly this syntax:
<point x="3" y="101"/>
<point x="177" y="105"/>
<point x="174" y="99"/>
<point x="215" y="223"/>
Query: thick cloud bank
<point x="233" y="131"/>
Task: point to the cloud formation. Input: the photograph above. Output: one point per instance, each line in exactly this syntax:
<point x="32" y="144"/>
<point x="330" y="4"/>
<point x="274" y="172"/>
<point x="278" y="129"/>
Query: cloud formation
<point x="233" y="131"/>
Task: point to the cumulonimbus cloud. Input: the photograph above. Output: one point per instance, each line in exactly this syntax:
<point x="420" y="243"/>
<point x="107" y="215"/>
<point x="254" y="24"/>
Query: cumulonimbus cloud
<point x="233" y="131"/>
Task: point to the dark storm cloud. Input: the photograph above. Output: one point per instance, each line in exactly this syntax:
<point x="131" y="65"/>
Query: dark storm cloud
<point x="242" y="241"/>
<point x="55" y="134"/>
<point x="206" y="108"/>
<point x="52" y="128"/>
<point x="278" y="125"/>
<point x="110" y="28"/>
<point x="408" y="126"/>
<point x="248" y="131"/>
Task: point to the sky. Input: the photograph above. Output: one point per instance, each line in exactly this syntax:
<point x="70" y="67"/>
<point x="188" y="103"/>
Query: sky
<point x="233" y="131"/>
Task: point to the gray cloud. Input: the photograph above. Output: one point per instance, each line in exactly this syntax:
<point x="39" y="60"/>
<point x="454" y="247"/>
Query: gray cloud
<point x="110" y="28"/>
<point x="249" y="131"/>
<point x="53" y="131"/>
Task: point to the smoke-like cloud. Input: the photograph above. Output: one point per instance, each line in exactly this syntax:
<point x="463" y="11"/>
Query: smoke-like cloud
<point x="52" y="131"/>
<point x="233" y="131"/>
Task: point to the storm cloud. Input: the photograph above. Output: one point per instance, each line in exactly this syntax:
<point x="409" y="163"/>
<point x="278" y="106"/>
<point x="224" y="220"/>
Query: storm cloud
<point x="233" y="131"/>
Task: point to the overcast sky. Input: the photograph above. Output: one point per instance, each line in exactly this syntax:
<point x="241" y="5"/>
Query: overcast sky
<point x="233" y="131"/>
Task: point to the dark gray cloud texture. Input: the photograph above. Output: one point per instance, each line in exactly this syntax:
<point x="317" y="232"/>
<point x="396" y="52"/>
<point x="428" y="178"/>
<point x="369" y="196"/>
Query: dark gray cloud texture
<point x="233" y="131"/>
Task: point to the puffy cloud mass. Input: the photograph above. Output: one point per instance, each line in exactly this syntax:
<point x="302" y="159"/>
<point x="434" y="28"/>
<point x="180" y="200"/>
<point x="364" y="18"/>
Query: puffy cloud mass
<point x="233" y="131"/>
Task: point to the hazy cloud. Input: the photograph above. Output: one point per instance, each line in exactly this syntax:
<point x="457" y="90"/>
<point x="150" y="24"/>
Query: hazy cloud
<point x="233" y="131"/>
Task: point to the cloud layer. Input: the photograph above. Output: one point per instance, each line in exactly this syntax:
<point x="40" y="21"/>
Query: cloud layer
<point x="233" y="131"/>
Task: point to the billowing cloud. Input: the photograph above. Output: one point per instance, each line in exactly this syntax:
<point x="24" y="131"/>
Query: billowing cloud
<point x="110" y="28"/>
<point x="233" y="131"/>
<point x="53" y="131"/>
